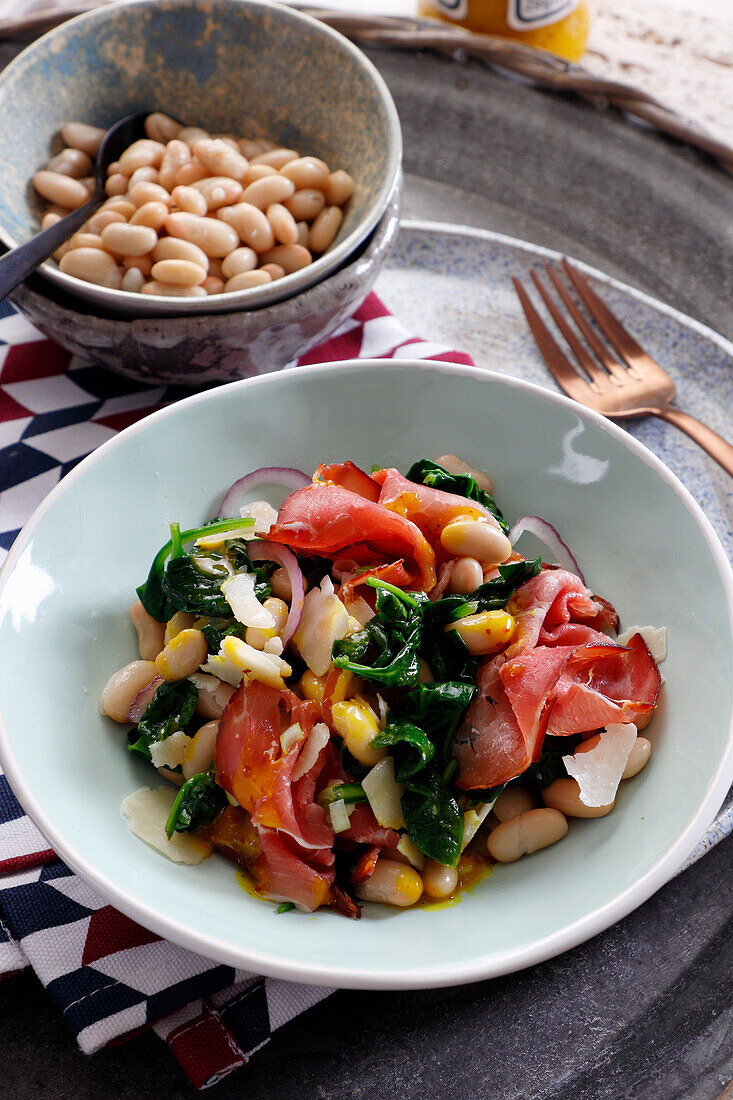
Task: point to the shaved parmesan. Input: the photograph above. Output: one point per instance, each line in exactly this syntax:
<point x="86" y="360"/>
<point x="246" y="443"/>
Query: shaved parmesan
<point x="385" y="794"/>
<point x="146" y="813"/>
<point x="274" y="645"/>
<point x="473" y="819"/>
<point x="291" y="736"/>
<point x="318" y="738"/>
<point x="171" y="752"/>
<point x="339" y="813"/>
<point x="235" y="658"/>
<point x="263" y="514"/>
<point x="324" y="621"/>
<point x="655" y="639"/>
<point x="598" y="772"/>
<point x="409" y="851"/>
<point x="239" y="592"/>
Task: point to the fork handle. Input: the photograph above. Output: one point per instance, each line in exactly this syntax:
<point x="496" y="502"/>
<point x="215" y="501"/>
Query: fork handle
<point x="717" y="447"/>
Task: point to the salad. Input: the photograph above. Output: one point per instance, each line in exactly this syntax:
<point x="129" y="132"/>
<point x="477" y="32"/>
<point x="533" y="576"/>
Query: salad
<point x="369" y="692"/>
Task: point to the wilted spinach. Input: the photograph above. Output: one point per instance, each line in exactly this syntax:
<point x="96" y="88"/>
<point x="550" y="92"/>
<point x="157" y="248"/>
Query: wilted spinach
<point x="429" y="473"/>
<point x="171" y="708"/>
<point x="432" y="706"/>
<point x="386" y="650"/>
<point x="417" y="748"/>
<point x="196" y="804"/>
<point x="433" y="817"/>
<point x="550" y="767"/>
<point x="215" y="633"/>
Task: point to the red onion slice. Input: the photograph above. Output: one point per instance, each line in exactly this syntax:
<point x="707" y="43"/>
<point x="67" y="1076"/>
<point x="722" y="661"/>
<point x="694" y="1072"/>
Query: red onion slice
<point x="139" y="704"/>
<point x="234" y="499"/>
<point x="273" y="551"/>
<point x="547" y="534"/>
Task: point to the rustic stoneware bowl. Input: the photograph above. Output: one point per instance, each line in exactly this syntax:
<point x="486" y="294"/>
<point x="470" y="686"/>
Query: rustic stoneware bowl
<point x="208" y="347"/>
<point x="247" y="67"/>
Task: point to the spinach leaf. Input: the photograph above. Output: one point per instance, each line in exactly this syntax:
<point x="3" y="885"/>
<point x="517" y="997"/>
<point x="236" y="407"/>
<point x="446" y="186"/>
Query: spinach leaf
<point x="152" y="595"/>
<point x="171" y="708"/>
<point x="433" y="817"/>
<point x="479" y="797"/>
<point x="351" y="793"/>
<point x="429" y="473"/>
<point x="492" y="595"/>
<point x="386" y="650"/>
<point x="448" y="655"/>
<point x="431" y="706"/>
<point x="420" y="749"/>
<point x="215" y="633"/>
<point x="196" y="804"/>
<point x="188" y="588"/>
<point x="550" y="767"/>
<point x="261" y="570"/>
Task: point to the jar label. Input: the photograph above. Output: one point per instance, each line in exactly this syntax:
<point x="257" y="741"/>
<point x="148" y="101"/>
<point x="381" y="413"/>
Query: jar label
<point x="452" y="9"/>
<point x="527" y="15"/>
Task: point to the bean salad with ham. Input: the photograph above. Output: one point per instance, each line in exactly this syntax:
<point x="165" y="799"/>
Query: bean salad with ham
<point x="370" y="692"/>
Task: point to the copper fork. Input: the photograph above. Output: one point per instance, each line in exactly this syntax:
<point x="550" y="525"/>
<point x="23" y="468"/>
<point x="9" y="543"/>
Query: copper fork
<point x="627" y="384"/>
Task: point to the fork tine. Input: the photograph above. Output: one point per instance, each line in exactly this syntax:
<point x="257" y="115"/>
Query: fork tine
<point x="619" y="338"/>
<point x="615" y="370"/>
<point x="559" y="365"/>
<point x="598" y="380"/>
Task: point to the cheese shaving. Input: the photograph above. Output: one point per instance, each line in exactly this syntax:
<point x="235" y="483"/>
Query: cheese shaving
<point x="655" y="639"/>
<point x="598" y="772"/>
<point x="171" y="752"/>
<point x="146" y="812"/>
<point x="239" y="592"/>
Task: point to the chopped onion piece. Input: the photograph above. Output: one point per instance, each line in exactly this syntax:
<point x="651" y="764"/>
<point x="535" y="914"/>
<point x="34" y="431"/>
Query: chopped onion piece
<point x="235" y="497"/>
<point x="339" y="813"/>
<point x="146" y="813"/>
<point x="655" y="639"/>
<point x="598" y="772"/>
<point x="272" y="551"/>
<point x="239" y="592"/>
<point x="547" y="534"/>
<point x="385" y="794"/>
<point x="291" y="736"/>
<point x="170" y="752"/>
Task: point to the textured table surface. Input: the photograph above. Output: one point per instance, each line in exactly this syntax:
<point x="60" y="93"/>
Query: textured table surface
<point x="644" y="1010"/>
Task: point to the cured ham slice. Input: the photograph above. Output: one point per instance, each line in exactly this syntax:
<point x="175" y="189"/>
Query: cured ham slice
<point x="251" y="764"/>
<point x="557" y="690"/>
<point x="363" y="826"/>
<point x="281" y="875"/>
<point x="546" y="604"/>
<point x="349" y="477"/>
<point x="329" y="521"/>
<point x="602" y="684"/>
<point x="430" y="509"/>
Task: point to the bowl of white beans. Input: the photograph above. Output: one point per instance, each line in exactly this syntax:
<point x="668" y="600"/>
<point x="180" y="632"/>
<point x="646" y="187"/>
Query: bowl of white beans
<point x="271" y="151"/>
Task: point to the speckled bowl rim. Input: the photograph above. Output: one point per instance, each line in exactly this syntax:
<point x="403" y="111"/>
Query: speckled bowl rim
<point x="445" y="974"/>
<point x="127" y="303"/>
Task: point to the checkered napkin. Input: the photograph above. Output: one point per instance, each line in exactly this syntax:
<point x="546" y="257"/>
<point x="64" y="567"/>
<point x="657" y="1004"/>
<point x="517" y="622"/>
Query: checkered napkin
<point x="109" y="976"/>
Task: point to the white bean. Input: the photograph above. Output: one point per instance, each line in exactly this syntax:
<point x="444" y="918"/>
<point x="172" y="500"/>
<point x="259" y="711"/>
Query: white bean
<point x="57" y="188"/>
<point x="218" y="191"/>
<point x="182" y="656"/>
<point x="143" y="175"/>
<point x="564" y="795"/>
<point x="476" y="538"/>
<point x="152" y="214"/>
<point x="150" y="633"/>
<point x="104" y="217"/>
<point x="86" y="240"/>
<point x="339" y="188"/>
<point x="121" y="205"/>
<point x="439" y="881"/>
<point x="189" y="173"/>
<point x="275" y="158"/>
<point x="283" y="224"/>
<point x="170" y="290"/>
<point x="93" y="265"/>
<point x="132" y="280"/>
<point x="189" y="200"/>
<point x="78" y="135"/>
<point x="257" y="172"/>
<point x="467" y="575"/>
<point x="161" y="127"/>
<point x="455" y="465"/>
<point x="306" y="205"/>
<point x="173" y="248"/>
<point x="116" y="184"/>
<point x="215" y="238"/>
<point x="307" y="172"/>
<point x="291" y="257"/>
<point x="241" y="259"/>
<point x="512" y="802"/>
<point x="193" y="134"/>
<point x="129" y="240"/>
<point x="200" y="753"/>
<point x="264" y="192"/>
<point x="221" y="159"/>
<point x="177" y="153"/>
<point x="145" y="192"/>
<point x="391" y="883"/>
<point x="179" y="272"/>
<point x="526" y="833"/>
<point x="275" y="271"/>
<point x="212" y="284"/>
<point x="325" y="228"/>
<point x="641" y="750"/>
<point x="71" y="162"/>
<point x="120" y="690"/>
<point x="246" y="280"/>
<point x="250" y="223"/>
<point x="213" y="695"/>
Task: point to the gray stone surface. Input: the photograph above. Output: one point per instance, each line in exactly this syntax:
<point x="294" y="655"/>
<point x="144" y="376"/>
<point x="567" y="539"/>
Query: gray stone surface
<point x="644" y="1011"/>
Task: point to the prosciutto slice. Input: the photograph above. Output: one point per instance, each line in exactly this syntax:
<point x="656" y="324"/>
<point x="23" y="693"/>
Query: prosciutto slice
<point x="363" y="826"/>
<point x="329" y="521"/>
<point x="282" y="875"/>
<point x="546" y="605"/>
<point x="350" y="477"/>
<point x="430" y="509"/>
<point x="251" y="765"/>
<point x="557" y="690"/>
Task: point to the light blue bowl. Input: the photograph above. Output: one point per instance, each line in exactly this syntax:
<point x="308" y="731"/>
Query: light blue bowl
<point x="245" y="67"/>
<point x="637" y="533"/>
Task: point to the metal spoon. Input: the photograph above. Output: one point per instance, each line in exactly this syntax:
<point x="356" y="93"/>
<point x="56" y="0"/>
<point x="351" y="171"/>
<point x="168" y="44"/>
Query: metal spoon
<point x="19" y="263"/>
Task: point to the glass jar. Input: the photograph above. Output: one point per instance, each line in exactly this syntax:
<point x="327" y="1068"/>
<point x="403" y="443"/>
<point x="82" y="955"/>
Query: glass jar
<point x="557" y="25"/>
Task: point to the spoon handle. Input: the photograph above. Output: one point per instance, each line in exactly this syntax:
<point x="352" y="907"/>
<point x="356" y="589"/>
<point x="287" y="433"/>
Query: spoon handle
<point x="17" y="264"/>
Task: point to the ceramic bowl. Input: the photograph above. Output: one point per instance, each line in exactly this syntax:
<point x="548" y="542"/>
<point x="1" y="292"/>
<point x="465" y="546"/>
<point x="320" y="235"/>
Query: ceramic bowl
<point x="247" y="67"/>
<point x="64" y="629"/>
<point x="210" y="347"/>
